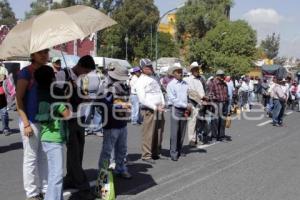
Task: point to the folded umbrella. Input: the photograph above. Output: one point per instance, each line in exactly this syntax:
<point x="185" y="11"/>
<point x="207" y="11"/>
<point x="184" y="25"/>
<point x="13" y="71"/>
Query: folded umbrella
<point x="52" y="28"/>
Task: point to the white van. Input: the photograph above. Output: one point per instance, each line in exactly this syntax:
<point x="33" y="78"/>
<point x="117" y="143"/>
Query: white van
<point x="103" y="62"/>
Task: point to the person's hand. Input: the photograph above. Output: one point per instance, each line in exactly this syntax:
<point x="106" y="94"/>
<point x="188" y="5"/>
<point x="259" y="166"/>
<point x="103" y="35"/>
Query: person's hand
<point x="205" y="98"/>
<point x="160" y="108"/>
<point x="189" y="107"/>
<point x="28" y="131"/>
<point x="126" y="105"/>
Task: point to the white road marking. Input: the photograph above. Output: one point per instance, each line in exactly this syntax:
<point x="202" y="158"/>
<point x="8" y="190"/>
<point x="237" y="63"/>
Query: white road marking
<point x="264" y="123"/>
<point x="206" y="145"/>
<point x="269" y="121"/>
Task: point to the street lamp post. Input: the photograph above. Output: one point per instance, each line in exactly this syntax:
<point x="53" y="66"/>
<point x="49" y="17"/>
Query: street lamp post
<point x="126" y="43"/>
<point x="156" y="34"/>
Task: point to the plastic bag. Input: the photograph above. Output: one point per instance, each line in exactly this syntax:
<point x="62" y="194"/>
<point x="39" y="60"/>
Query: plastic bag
<point x="105" y="189"/>
<point x="228" y="122"/>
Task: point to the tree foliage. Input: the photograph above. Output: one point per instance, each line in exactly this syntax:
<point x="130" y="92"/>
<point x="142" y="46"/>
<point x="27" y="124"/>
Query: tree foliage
<point x="135" y="19"/>
<point x="7" y="16"/>
<point x="230" y="46"/>
<point x="197" y="17"/>
<point x="37" y="8"/>
<point x="271" y="45"/>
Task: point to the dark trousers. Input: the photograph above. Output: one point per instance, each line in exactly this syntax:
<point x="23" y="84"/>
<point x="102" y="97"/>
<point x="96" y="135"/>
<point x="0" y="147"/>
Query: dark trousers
<point x="75" y="147"/>
<point x="202" y="125"/>
<point x="220" y="110"/>
<point x="178" y="128"/>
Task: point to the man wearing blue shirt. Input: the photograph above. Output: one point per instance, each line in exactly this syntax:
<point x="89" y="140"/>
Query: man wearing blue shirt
<point x="177" y="91"/>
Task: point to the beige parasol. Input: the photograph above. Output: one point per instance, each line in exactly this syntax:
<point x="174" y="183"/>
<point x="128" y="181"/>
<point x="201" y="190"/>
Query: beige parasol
<point x="52" y="28"/>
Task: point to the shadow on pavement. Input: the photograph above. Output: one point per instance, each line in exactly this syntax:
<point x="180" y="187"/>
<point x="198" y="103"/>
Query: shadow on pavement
<point x="140" y="181"/>
<point x="14" y="131"/>
<point x="11" y="147"/>
<point x="133" y="157"/>
<point x="187" y="149"/>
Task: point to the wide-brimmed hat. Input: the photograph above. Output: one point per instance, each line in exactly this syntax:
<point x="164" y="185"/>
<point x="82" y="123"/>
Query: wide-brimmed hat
<point x="194" y="65"/>
<point x="220" y="72"/>
<point x="175" y="67"/>
<point x="118" y="72"/>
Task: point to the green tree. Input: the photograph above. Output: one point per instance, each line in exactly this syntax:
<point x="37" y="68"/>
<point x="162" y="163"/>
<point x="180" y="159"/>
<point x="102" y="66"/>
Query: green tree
<point x="37" y="8"/>
<point x="67" y="3"/>
<point x="271" y="45"/>
<point x="135" y="18"/>
<point x="199" y="16"/>
<point x="7" y="16"/>
<point x="230" y="45"/>
<point x="166" y="47"/>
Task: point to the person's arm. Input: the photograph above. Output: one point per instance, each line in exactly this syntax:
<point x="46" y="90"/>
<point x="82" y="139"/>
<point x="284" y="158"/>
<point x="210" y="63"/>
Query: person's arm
<point x="22" y="85"/>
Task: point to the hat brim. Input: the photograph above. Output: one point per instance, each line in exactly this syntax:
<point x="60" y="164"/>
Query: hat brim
<point x="118" y="77"/>
<point x="192" y="67"/>
<point x="147" y="66"/>
<point x="174" y="69"/>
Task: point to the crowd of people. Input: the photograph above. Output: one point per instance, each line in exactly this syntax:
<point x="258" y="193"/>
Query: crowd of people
<point x="61" y="106"/>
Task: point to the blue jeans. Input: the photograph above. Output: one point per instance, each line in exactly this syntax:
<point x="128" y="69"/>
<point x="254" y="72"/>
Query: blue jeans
<point x="276" y="111"/>
<point x="135" y="109"/>
<point x="54" y="152"/>
<point x="94" y="119"/>
<point x="4" y="119"/>
<point x="114" y="139"/>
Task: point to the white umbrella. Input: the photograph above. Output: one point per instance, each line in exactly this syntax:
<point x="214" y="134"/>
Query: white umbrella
<point x="52" y="28"/>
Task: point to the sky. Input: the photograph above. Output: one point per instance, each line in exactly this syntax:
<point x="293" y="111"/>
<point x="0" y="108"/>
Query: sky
<point x="265" y="16"/>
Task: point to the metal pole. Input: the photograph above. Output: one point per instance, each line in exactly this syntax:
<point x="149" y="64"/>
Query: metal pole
<point x="156" y="48"/>
<point x="126" y="43"/>
<point x="151" y="50"/>
<point x="156" y="34"/>
<point x="95" y="44"/>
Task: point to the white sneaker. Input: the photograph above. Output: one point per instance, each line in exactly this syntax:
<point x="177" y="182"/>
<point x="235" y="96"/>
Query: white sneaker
<point x="112" y="166"/>
<point x="99" y="134"/>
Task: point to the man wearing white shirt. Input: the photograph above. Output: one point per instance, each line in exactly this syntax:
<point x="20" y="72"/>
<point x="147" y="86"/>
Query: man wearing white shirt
<point x="135" y="109"/>
<point x="177" y="91"/>
<point x="194" y="84"/>
<point x="152" y="108"/>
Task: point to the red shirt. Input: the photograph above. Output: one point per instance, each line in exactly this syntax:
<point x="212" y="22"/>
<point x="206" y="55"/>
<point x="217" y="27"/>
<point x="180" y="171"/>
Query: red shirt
<point x="217" y="90"/>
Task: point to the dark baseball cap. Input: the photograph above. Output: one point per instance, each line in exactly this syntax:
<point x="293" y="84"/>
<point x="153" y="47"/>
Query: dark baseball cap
<point x="145" y="62"/>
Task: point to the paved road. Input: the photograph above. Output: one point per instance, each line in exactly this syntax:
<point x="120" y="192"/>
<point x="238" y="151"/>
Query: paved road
<point x="262" y="162"/>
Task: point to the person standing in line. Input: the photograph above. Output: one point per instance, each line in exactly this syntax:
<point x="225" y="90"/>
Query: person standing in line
<point x="53" y="131"/>
<point x="153" y="106"/>
<point x="195" y="84"/>
<point x="116" y="98"/>
<point x="67" y="78"/>
<point x="218" y="95"/>
<point x="231" y="89"/>
<point x="4" y="100"/>
<point x="135" y="110"/>
<point x="34" y="159"/>
<point x="177" y="92"/>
